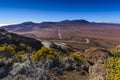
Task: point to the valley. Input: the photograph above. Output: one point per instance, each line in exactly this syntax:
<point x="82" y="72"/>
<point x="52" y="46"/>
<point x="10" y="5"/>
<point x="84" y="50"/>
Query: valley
<point x="70" y="50"/>
<point x="73" y="33"/>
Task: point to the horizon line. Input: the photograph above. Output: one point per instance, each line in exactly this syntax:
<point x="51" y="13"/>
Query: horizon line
<point x="13" y="23"/>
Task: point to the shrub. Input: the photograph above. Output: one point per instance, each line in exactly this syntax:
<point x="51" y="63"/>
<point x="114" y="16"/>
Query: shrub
<point x="76" y="57"/>
<point x="21" y="52"/>
<point x="115" y="52"/>
<point x="24" y="47"/>
<point x="19" y="57"/>
<point x="113" y="68"/>
<point x="8" y="49"/>
<point x="45" y="53"/>
<point x="113" y="65"/>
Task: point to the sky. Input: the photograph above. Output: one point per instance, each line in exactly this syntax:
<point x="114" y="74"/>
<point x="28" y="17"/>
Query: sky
<point x="17" y="11"/>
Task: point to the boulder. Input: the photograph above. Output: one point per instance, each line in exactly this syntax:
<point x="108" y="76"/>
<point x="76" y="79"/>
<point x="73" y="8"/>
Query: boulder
<point x="93" y="55"/>
<point x="59" y="46"/>
<point x="97" y="72"/>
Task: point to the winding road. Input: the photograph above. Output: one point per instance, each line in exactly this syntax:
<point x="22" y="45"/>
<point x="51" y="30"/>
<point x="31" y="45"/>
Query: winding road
<point x="87" y="40"/>
<point x="59" y="33"/>
<point x="60" y="37"/>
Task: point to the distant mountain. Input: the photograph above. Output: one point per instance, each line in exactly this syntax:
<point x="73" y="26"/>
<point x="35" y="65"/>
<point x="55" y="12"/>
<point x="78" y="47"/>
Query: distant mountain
<point x="28" y="26"/>
<point x="75" y="21"/>
<point x="25" y="24"/>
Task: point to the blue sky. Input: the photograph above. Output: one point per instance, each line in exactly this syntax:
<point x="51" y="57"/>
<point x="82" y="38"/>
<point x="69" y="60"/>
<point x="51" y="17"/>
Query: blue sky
<point x="17" y="11"/>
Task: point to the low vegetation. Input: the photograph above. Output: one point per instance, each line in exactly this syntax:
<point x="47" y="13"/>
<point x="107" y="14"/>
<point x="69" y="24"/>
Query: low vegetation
<point x="20" y="58"/>
<point x="44" y="53"/>
<point x="7" y="49"/>
<point x="113" y="66"/>
<point x="77" y="57"/>
<point x="61" y="61"/>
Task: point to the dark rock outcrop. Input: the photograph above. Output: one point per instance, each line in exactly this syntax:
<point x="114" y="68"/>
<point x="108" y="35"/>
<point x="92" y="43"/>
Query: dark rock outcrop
<point x="14" y="39"/>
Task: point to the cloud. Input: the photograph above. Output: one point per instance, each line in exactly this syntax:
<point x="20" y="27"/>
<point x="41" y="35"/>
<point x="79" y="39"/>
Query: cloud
<point x="5" y="24"/>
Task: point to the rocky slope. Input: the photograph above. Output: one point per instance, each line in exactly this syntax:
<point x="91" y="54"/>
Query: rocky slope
<point x="14" y="39"/>
<point x="52" y="61"/>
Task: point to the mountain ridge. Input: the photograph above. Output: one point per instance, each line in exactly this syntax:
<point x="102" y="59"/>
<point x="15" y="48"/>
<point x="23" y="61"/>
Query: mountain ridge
<point x="64" y="22"/>
<point x="68" y="29"/>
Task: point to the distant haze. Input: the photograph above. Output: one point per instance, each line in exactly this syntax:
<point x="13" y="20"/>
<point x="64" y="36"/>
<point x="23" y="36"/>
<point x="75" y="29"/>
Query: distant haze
<point x="4" y="24"/>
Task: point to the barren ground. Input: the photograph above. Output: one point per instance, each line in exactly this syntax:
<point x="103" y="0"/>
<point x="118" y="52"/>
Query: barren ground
<point x="104" y="36"/>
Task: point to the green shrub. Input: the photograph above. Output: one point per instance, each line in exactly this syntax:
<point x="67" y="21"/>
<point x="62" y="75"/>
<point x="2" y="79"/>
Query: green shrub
<point x="115" y="52"/>
<point x="113" y="68"/>
<point x="44" y="52"/>
<point x="77" y="57"/>
<point x="8" y="49"/>
<point x="19" y="57"/>
<point x="113" y="65"/>
<point x="21" y="52"/>
<point x="24" y="47"/>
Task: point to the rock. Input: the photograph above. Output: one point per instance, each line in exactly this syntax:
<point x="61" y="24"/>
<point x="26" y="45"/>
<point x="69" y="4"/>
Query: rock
<point x="4" y="71"/>
<point x="17" y="67"/>
<point x="1" y="63"/>
<point x="118" y="48"/>
<point x="97" y="72"/>
<point x="46" y="44"/>
<point x="14" y="39"/>
<point x="93" y="55"/>
<point x="59" y="46"/>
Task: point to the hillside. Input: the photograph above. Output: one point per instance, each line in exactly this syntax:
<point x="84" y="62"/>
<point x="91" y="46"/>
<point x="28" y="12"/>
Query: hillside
<point x="14" y="39"/>
<point x="23" y="58"/>
<point x="66" y="50"/>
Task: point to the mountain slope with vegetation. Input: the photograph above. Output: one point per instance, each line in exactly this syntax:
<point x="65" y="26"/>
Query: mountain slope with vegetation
<point x="28" y="59"/>
<point x="14" y="39"/>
